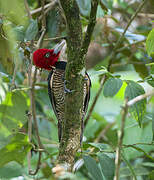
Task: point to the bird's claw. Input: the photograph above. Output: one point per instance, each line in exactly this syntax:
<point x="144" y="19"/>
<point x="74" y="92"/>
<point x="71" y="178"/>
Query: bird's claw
<point x="66" y="90"/>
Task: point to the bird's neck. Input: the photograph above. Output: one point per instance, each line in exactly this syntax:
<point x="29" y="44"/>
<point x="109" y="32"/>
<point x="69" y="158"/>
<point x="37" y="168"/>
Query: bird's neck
<point x="61" y="65"/>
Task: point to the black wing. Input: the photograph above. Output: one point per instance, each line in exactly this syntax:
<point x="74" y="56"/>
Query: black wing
<point x="50" y="92"/>
<point x="53" y="101"/>
<point x="87" y="98"/>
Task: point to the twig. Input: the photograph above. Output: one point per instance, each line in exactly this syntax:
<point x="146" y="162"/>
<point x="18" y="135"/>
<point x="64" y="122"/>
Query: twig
<point x="140" y="143"/>
<point x="122" y="36"/>
<point x="146" y="15"/>
<point x="130" y="45"/>
<point x="40" y="39"/>
<point x="120" y="140"/>
<point x="95" y="100"/>
<point x="48" y="9"/>
<point x="139" y="98"/>
<point x="38" y="165"/>
<point x="43" y="15"/>
<point x="27" y="9"/>
<point x="29" y="115"/>
<point x="13" y="85"/>
<point x="31" y="83"/>
<point x="90" y="28"/>
<point x="55" y="38"/>
<point x="40" y="9"/>
<point x="103" y="132"/>
<point x="127" y="63"/>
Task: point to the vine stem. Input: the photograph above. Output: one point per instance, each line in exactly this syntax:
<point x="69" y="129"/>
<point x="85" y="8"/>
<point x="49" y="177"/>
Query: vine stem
<point x="31" y="83"/>
<point x="120" y="140"/>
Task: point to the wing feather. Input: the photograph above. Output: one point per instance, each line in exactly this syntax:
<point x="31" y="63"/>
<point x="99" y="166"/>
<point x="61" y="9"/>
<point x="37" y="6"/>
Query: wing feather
<point x="50" y="91"/>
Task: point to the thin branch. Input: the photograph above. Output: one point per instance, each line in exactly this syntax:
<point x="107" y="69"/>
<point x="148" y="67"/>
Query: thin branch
<point x="122" y="36"/>
<point x="31" y="83"/>
<point x="55" y="38"/>
<point x="120" y="140"/>
<point x="130" y="145"/>
<point x="104" y="131"/>
<point x="146" y="15"/>
<point x="90" y="28"/>
<point x="29" y="115"/>
<point x="130" y="45"/>
<point x="48" y="9"/>
<point x="27" y="9"/>
<point x="40" y="39"/>
<point x="139" y="98"/>
<point x="40" y="9"/>
<point x="95" y="100"/>
<point x="38" y="165"/>
<point x="43" y="15"/>
<point x="13" y="84"/>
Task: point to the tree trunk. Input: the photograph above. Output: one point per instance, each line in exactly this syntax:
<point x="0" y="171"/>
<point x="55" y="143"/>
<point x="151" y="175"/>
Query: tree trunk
<point x="74" y="76"/>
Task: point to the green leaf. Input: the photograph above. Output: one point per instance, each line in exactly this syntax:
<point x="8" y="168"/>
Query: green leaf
<point x="93" y="168"/>
<point x="129" y="166"/>
<point x="13" y="110"/>
<point x="15" y="150"/>
<point x="14" y="11"/>
<point x="141" y="69"/>
<point x="6" y="56"/>
<point x="140" y="135"/>
<point x="139" y="171"/>
<point x="151" y="175"/>
<point x="12" y="169"/>
<point x="151" y="66"/>
<point x="32" y="30"/>
<point x="150" y="43"/>
<point x="101" y="146"/>
<point x="53" y="25"/>
<point x="138" y="109"/>
<point x="141" y="150"/>
<point x="150" y="80"/>
<point x="112" y="86"/>
<point x="107" y="166"/>
<point x="19" y="32"/>
<point x="148" y="164"/>
<point x="84" y="7"/>
<point x="4" y="77"/>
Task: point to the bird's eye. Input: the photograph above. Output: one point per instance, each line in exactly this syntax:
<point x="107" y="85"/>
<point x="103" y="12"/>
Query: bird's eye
<point x="47" y="55"/>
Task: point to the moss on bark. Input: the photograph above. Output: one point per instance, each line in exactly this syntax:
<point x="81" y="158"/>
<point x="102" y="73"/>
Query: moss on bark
<point x="74" y="76"/>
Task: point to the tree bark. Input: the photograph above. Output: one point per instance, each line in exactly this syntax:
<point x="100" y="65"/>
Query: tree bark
<point x="74" y="76"/>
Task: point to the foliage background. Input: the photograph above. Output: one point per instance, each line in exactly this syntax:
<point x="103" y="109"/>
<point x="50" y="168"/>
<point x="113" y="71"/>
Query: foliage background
<point x="132" y="74"/>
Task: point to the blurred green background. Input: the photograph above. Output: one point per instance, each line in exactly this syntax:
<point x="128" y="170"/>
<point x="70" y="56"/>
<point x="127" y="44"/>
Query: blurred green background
<point x="132" y="74"/>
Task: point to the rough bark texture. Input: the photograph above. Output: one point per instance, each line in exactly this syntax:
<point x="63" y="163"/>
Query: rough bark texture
<point x="74" y="75"/>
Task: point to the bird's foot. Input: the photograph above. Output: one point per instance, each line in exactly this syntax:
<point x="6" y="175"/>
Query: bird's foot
<point x="66" y="90"/>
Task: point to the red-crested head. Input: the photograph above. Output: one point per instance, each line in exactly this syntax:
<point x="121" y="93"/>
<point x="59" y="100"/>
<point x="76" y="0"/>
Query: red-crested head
<point x="46" y="58"/>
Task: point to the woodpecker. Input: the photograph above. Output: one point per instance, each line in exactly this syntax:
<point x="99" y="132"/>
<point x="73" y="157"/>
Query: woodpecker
<point x="48" y="59"/>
